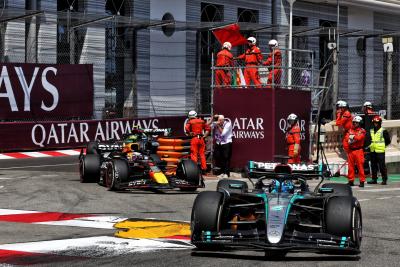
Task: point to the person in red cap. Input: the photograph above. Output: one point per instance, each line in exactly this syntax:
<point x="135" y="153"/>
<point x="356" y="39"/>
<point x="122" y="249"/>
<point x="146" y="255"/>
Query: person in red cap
<point x="356" y="138"/>
<point x="252" y="58"/>
<point x="199" y="130"/>
<point x="293" y="139"/>
<point x="224" y="60"/>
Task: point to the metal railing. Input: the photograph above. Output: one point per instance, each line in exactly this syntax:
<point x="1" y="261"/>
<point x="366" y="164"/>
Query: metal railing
<point x="274" y="75"/>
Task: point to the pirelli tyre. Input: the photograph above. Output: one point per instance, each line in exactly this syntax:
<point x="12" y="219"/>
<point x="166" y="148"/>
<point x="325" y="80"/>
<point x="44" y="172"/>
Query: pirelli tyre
<point x="117" y="173"/>
<point x="91" y="148"/>
<point x="232" y="186"/>
<point x="339" y="189"/>
<point x="343" y="218"/>
<point x="89" y="168"/>
<point x="206" y="215"/>
<point x="188" y="170"/>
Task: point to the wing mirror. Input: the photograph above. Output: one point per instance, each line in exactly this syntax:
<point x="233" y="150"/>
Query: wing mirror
<point x="324" y="190"/>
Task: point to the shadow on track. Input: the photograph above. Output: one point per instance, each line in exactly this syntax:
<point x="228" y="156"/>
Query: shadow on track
<point x="290" y="258"/>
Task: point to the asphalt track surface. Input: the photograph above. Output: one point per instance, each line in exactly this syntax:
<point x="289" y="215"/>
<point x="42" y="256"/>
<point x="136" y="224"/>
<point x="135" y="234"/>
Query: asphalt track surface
<point x="52" y="184"/>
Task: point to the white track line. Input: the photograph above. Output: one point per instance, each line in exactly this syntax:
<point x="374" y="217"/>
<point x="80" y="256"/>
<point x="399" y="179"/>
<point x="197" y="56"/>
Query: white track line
<point x="98" y="222"/>
<point x="100" y="246"/>
<point x="35" y="154"/>
<point x="12" y="212"/>
<point x="381" y="190"/>
<point x="382" y="198"/>
<point x="69" y="152"/>
<point x="38" y="166"/>
<point x="2" y="156"/>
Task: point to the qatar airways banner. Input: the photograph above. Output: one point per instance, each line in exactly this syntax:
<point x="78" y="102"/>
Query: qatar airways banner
<point x="258" y="118"/>
<point x="37" y="91"/>
<point x="70" y="134"/>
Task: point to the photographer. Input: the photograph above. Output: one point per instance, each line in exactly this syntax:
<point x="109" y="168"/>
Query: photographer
<point x="222" y="133"/>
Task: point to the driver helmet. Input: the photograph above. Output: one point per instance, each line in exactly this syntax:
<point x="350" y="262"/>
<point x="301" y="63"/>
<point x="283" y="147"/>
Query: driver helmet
<point x="286" y="186"/>
<point x="131" y="138"/>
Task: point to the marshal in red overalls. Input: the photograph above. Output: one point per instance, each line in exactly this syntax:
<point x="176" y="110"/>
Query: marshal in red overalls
<point x="293" y="139"/>
<point x="356" y="137"/>
<point x="198" y="129"/>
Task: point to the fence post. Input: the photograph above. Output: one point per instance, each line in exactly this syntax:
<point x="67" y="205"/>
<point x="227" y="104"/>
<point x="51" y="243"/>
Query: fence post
<point x="389" y="84"/>
<point x="335" y="74"/>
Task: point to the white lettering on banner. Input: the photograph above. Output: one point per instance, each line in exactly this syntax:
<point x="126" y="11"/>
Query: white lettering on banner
<point x="43" y="135"/>
<point x="49" y="88"/>
<point x="114" y="130"/>
<point x="99" y="132"/>
<point x="62" y="125"/>
<point x="247" y="128"/>
<point x="9" y="92"/>
<point x="283" y="126"/>
<point x="84" y="127"/>
<point x="52" y="135"/>
<point x="70" y="133"/>
<point x="127" y="128"/>
<point x="27" y="88"/>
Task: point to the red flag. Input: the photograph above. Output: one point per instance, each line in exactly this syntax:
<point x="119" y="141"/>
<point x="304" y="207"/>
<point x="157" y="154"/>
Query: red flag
<point x="230" y="33"/>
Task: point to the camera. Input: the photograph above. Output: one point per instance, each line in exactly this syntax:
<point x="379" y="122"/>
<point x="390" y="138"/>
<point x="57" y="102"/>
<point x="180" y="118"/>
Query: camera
<point x="215" y="118"/>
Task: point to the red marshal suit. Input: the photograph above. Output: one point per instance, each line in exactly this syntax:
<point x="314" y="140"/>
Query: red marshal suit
<point x="196" y="127"/>
<point x="252" y="57"/>
<point x="356" y="137"/>
<point x="275" y="73"/>
<point x="345" y="120"/>
<point x="224" y="59"/>
<point x="293" y="144"/>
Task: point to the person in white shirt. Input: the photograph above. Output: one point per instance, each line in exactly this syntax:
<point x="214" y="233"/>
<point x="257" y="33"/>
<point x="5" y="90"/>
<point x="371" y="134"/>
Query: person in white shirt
<point x="222" y="133"/>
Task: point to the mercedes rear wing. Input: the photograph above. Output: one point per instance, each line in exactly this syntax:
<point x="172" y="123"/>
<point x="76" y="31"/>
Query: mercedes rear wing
<point x="257" y="169"/>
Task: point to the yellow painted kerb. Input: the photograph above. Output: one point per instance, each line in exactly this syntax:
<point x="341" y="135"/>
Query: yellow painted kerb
<point x="151" y="229"/>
